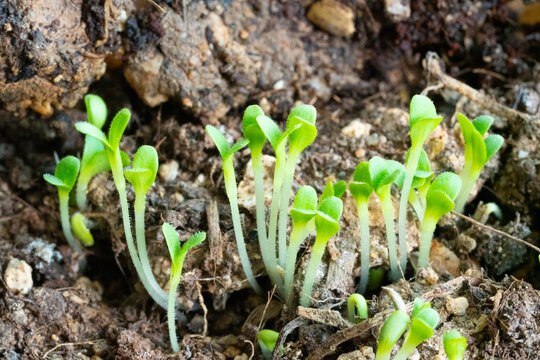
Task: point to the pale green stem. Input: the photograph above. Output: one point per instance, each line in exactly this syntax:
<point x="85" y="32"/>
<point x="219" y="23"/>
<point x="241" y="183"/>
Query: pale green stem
<point x="153" y="288"/>
<point x="410" y="169"/>
<point x="406" y="349"/>
<point x="63" y="199"/>
<point x="270" y="262"/>
<point x="232" y="194"/>
<point x="298" y="236"/>
<point x="80" y="191"/>
<point x="383" y="354"/>
<point x="274" y="207"/>
<point x="388" y="214"/>
<point x="468" y="180"/>
<point x="284" y="207"/>
<point x="363" y="222"/>
<point x="428" y="227"/>
<point x="417" y="206"/>
<point x="311" y="271"/>
<point x="171" y="307"/>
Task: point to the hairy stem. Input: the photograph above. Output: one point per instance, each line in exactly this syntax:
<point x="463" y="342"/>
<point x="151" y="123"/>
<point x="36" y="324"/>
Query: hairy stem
<point x="232" y="194"/>
<point x="417" y="206"/>
<point x="63" y="198"/>
<point x="363" y="221"/>
<point x="283" y="207"/>
<point x="410" y="169"/>
<point x="171" y="306"/>
<point x="274" y="207"/>
<point x="80" y="191"/>
<point x="311" y="271"/>
<point x="428" y="227"/>
<point x="388" y="214"/>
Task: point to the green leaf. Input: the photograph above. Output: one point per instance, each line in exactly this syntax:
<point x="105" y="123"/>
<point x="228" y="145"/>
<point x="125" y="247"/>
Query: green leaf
<point x="448" y="183"/>
<point x="361" y="187"/>
<point x="267" y="340"/>
<point x="441" y="195"/>
<point x="357" y="308"/>
<point x="424" y="119"/>
<point x="219" y="139"/>
<point x="304" y="206"/>
<point x="118" y="126"/>
<point x="173" y="244"/>
<point x="89" y="129"/>
<point x="418" y="305"/>
<point x="78" y="223"/>
<point x="145" y="167"/>
<point x="96" y="110"/>
<point x="422" y="173"/>
<point x="270" y="130"/>
<point x="339" y="188"/>
<point x="493" y="144"/>
<point x="65" y="174"/>
<point x="383" y="173"/>
<point x="423" y="325"/>
<point x="252" y="131"/>
<point x="454" y="345"/>
<point x="327" y="192"/>
<point x="482" y="123"/>
<point x="299" y="139"/>
<point x="193" y="241"/>
<point x="239" y="145"/>
<point x="391" y="331"/>
<point x="327" y="218"/>
<point x="475" y="149"/>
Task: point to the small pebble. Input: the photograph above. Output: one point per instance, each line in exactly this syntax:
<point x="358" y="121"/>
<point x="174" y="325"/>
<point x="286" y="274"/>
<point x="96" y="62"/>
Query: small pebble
<point x="169" y="170"/>
<point x="18" y="276"/>
<point x="356" y="129"/>
<point x="427" y="276"/>
<point x="457" y="306"/>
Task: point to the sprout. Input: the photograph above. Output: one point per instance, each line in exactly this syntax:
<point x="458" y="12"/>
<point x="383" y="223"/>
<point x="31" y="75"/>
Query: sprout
<point x="302" y="215"/>
<point x="478" y="151"/>
<point x="326" y="226"/>
<point x="267" y="341"/>
<point x="114" y="156"/>
<point x="424" y="321"/>
<point x="64" y="178"/>
<point x="357" y="309"/>
<point x="79" y="223"/>
<point x="439" y="201"/>
<point x="424" y="120"/>
<point x="227" y="154"/>
<point x="454" y="345"/>
<point x="383" y="173"/>
<point x="391" y="331"/>
<point x="178" y="255"/>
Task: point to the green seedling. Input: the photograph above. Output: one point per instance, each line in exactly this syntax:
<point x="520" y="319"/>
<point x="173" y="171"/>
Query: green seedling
<point x="301" y="125"/>
<point x="142" y="175"/>
<point x="227" y="155"/>
<point x="424" y="120"/>
<point x="478" y="151"/>
<point x="391" y="331"/>
<point x="267" y="340"/>
<point x="383" y="173"/>
<point x="326" y="225"/>
<point x="79" y="224"/>
<point x="302" y="215"/>
<point x="64" y="178"/>
<point x="454" y="345"/>
<point x="439" y="201"/>
<point x="357" y="309"/>
<point x="361" y="188"/>
<point x="178" y="255"/>
<point x="111" y="144"/>
<point x="423" y="324"/>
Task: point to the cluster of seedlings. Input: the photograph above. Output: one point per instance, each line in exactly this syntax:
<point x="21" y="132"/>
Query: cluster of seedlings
<point x="430" y="195"/>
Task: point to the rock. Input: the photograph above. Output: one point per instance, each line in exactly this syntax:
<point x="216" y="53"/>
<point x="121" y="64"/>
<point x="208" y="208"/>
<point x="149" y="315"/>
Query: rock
<point x="457" y="306"/>
<point x="169" y="170"/>
<point x="18" y="276"/>
<point x="443" y="260"/>
<point x="333" y="17"/>
<point x="427" y="276"/>
<point x="397" y="10"/>
<point x="356" y="129"/>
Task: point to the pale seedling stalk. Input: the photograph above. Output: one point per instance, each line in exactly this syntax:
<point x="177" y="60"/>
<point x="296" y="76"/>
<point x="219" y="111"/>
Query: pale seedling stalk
<point x="424" y="120"/>
<point x="391" y="331"/>
<point x="227" y="154"/>
<point x="326" y="226"/>
<point x="79" y="224"/>
<point x="111" y="144"/>
<point x="357" y="309"/>
<point x="64" y="178"/>
<point x="178" y="255"/>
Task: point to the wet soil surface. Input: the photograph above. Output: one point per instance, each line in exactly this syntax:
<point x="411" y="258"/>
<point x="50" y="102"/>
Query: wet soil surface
<point x="203" y="62"/>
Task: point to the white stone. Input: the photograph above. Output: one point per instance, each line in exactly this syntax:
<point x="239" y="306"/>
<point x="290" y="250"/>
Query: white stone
<point x="356" y="129"/>
<point x="169" y="170"/>
<point x="457" y="306"/>
<point x="18" y="276"/>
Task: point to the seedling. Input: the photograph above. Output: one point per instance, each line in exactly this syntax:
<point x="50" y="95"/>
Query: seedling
<point x="478" y="151"/>
<point x="383" y="173"/>
<point x="454" y="345"/>
<point x="267" y="342"/>
<point x="391" y="331"/>
<point x="357" y="309"/>
<point x="326" y="225"/>
<point x="424" y="120"/>
<point x="79" y="224"/>
<point x="64" y="178"/>
<point x="227" y="154"/>
<point x="111" y="144"/>
<point x="424" y="321"/>
<point x="178" y="255"/>
<point x="439" y="201"/>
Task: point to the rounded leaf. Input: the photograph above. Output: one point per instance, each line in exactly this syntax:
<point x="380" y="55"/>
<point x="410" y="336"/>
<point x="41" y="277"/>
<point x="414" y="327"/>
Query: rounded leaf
<point x="339" y="188"/>
<point x="267" y="339"/>
<point x="424" y="119"/>
<point x="361" y="187"/>
<point x="96" y="110"/>
<point x="66" y="172"/>
<point x="454" y="345"/>
<point x="270" y="130"/>
<point x="448" y="183"/>
<point x="327" y="218"/>
<point x="89" y="129"/>
<point x="493" y="144"/>
<point x="305" y="116"/>
<point x="305" y="205"/>
<point x="173" y="244"/>
<point x="80" y="229"/>
<point x="145" y="166"/>
<point x="391" y="331"/>
<point x="118" y="126"/>
<point x="475" y="148"/>
<point x="251" y="129"/>
<point x="482" y="123"/>
<point x="441" y="195"/>
<point x="422" y="173"/>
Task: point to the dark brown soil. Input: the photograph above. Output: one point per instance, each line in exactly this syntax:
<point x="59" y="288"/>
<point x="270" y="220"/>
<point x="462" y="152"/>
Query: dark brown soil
<point x="179" y="65"/>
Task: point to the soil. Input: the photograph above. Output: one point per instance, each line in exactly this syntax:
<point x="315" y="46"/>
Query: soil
<point x="180" y="65"/>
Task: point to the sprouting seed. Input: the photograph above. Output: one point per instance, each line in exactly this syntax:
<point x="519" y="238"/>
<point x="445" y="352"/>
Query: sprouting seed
<point x="79" y="224"/>
<point x="357" y="309"/>
<point x="267" y="340"/>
